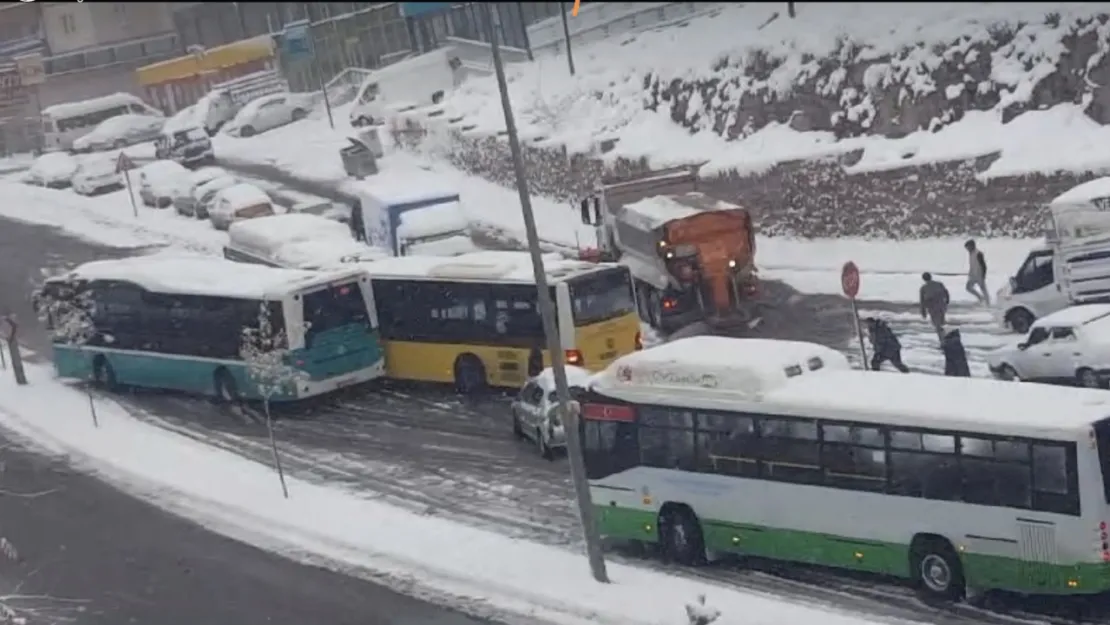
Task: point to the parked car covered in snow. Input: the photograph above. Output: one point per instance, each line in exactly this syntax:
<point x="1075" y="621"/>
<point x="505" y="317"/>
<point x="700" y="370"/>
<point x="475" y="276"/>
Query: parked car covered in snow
<point x="186" y="201"/>
<point x="189" y="146"/>
<point x="237" y="202"/>
<point x="205" y="195"/>
<point x="53" y="169"/>
<point x="96" y="174"/>
<point x="120" y="131"/>
<point x="159" y="181"/>
<point x="1071" y="346"/>
<point x="534" y="409"/>
<point x="268" y="112"/>
<point x="268" y="241"/>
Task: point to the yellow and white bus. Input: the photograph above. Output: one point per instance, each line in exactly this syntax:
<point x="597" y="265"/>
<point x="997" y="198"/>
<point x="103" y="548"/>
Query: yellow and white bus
<point x="474" y="320"/>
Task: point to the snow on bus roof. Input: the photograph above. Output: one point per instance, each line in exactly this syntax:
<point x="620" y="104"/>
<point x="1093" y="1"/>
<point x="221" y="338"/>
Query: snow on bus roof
<point x="941" y="402"/>
<point x="334" y="254"/>
<point x="752" y="367"/>
<point x="201" y="275"/>
<point x="1090" y="190"/>
<point x="80" y="107"/>
<point x="485" y="265"/>
<point x="271" y="232"/>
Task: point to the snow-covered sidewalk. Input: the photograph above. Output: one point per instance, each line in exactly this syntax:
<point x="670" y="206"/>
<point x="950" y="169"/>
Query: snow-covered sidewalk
<point x="473" y="569"/>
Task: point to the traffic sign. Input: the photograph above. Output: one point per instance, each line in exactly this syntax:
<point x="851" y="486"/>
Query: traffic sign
<point x="296" y="41"/>
<point x="32" y="70"/>
<point x="123" y="163"/>
<point x="849" y="280"/>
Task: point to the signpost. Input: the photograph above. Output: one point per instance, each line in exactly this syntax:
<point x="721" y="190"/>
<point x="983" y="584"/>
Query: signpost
<point x="849" y="282"/>
<point x="124" y="166"/>
<point x="10" y="331"/>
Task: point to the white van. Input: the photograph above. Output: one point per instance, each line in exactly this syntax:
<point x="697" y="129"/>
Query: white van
<point x="296" y="241"/>
<point x="62" y="124"/>
<point x="416" y="81"/>
<point x="1072" y="267"/>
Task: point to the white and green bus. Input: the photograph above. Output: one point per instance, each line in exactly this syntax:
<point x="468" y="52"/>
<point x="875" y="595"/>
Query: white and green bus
<point x="176" y="323"/>
<point x="953" y="483"/>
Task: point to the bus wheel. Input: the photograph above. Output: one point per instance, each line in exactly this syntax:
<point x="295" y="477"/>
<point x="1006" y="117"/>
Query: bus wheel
<point x="680" y="535"/>
<point x="104" y="376"/>
<point x="936" y="569"/>
<point x="226" y="390"/>
<point x="470" y="374"/>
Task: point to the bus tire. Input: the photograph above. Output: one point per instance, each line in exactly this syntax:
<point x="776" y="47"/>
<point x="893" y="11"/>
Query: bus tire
<point x="227" y="392"/>
<point x="936" y="569"/>
<point x="103" y="374"/>
<point x="470" y="374"/>
<point x="680" y="535"/>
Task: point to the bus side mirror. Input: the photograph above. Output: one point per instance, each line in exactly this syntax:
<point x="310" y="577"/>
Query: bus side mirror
<point x="1013" y="283"/>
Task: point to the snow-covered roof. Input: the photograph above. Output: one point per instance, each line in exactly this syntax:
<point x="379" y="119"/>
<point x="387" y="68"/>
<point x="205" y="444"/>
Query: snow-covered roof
<point x="485" y="266"/>
<point x="1081" y="194"/>
<point x="433" y="220"/>
<point x="1074" y="315"/>
<point x="930" y="401"/>
<point x="163" y="168"/>
<point x="119" y="123"/>
<point x="407" y="189"/>
<point x="738" y="368"/>
<point x="267" y="235"/>
<point x="203" y="275"/>
<point x="206" y="174"/>
<point x="332" y="254"/>
<point x="70" y="109"/>
<point x="655" y="211"/>
<point x="447" y="246"/>
<point x="243" y="194"/>
<point x="576" y="376"/>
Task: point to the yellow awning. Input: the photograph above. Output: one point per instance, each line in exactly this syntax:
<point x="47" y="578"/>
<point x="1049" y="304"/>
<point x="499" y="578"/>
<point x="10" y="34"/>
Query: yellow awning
<point x="213" y="59"/>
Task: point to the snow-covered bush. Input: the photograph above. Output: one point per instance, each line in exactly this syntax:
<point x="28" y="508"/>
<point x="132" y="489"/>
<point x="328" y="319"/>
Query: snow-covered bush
<point x="66" y="311"/>
<point x="265" y="350"/>
<point x="698" y="613"/>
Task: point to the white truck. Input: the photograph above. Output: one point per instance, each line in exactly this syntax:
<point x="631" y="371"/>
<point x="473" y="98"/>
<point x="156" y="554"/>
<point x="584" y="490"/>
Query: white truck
<point x="1071" y="267"/>
<point x="413" y="220"/>
<point x="692" y="256"/>
<point x="417" y="81"/>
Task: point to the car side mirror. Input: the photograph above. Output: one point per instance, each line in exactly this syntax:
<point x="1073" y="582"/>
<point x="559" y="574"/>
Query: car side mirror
<point x="1023" y="346"/>
<point x="1013" y="283"/>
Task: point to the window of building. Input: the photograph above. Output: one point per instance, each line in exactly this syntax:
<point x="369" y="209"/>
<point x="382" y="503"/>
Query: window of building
<point x="69" y="24"/>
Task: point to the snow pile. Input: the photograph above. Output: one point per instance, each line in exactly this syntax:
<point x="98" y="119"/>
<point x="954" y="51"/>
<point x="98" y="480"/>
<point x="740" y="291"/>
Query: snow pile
<point x="802" y="113"/>
<point x="421" y="554"/>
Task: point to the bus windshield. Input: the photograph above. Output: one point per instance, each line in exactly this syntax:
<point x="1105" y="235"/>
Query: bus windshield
<point x="604" y="295"/>
<point x="337" y="306"/>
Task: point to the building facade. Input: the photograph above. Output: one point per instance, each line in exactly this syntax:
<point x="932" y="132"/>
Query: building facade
<point x="21" y="32"/>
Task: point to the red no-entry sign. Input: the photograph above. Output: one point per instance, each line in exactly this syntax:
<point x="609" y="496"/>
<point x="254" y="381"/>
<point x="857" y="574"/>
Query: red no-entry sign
<point x="849" y="280"/>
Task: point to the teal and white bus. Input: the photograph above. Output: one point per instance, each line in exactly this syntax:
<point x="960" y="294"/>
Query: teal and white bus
<point x="177" y="323"/>
<point x="957" y="484"/>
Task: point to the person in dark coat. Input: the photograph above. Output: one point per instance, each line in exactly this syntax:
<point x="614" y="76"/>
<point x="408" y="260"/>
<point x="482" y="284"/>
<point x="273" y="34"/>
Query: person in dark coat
<point x="885" y="345"/>
<point x="955" y="357"/>
<point x="358" y="229"/>
<point x="934" y="302"/>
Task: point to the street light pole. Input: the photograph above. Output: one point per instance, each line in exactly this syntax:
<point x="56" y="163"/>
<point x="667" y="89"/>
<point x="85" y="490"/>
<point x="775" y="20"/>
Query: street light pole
<point x="566" y="37"/>
<point x="550" y="326"/>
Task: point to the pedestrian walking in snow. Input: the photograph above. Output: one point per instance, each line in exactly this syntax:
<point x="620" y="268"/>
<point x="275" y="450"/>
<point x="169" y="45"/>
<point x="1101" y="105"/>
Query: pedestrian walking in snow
<point x="358" y="229"/>
<point x="885" y="345"/>
<point x="955" y="356"/>
<point x="934" y="303"/>
<point x="977" y="273"/>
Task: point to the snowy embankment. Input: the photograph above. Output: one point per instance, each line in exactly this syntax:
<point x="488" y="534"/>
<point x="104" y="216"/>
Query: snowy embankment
<point x="475" y="570"/>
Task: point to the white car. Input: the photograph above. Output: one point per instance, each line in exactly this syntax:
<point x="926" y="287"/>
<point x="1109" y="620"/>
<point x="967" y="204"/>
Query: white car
<point x="159" y="181"/>
<point x="269" y="111"/>
<point x="120" y="131"/>
<point x="239" y="201"/>
<point x="205" y="195"/>
<point x="534" y="414"/>
<point x="1071" y="346"/>
<point x="95" y="174"/>
<point x="186" y="200"/>
<point x="53" y="169"/>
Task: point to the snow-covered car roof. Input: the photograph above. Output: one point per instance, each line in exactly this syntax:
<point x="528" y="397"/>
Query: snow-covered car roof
<point x="54" y="164"/>
<point x="250" y="108"/>
<point x="215" y="184"/>
<point x="182" y="120"/>
<point x="206" y="174"/>
<point x="120" y="123"/>
<point x="576" y="376"/>
<point x="162" y="169"/>
<point x="266" y="235"/>
<point x="97" y="163"/>
<point x="243" y="194"/>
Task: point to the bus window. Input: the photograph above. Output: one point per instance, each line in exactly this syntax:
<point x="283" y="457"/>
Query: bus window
<point x="1102" y="435"/>
<point x="601" y="296"/>
<point x="332" y="308"/>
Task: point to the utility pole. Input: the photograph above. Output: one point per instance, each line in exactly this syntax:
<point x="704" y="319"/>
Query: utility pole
<point x="550" y="325"/>
<point x="566" y="37"/>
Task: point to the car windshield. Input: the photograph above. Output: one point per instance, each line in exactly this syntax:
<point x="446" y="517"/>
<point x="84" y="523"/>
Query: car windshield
<point x="183" y="137"/>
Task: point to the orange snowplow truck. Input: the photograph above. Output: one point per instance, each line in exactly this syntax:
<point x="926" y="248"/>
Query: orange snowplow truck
<point x="692" y="256"/>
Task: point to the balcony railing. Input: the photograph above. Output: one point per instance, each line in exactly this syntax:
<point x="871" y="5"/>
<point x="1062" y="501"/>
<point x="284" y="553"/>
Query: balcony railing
<point x="139" y="51"/>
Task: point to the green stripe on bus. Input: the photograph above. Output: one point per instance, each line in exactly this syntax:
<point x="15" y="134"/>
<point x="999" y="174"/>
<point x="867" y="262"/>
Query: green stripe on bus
<point x="980" y="571"/>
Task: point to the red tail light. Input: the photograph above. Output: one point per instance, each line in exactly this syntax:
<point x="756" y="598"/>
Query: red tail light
<point x="300" y="363"/>
<point x="639" y="340"/>
<point x="574" y="357"/>
<point x="669" y="303"/>
<point x="608" y="412"/>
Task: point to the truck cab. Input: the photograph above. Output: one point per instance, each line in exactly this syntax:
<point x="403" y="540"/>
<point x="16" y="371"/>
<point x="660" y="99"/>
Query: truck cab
<point x="407" y="222"/>
<point x="1071" y="267"/>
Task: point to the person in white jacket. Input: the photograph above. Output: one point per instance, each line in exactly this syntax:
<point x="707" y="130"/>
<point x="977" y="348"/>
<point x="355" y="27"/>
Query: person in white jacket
<point x="977" y="273"/>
